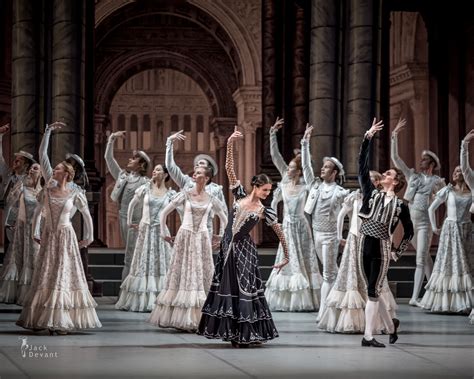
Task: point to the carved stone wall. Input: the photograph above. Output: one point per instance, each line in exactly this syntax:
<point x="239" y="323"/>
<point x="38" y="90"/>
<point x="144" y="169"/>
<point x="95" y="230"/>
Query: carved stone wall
<point x="150" y="106"/>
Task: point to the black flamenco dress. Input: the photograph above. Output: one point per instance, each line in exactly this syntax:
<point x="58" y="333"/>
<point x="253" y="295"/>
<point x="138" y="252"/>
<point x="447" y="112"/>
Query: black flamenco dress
<point x="236" y="309"/>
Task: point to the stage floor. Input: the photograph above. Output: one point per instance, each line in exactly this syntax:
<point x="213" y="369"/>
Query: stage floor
<point x="430" y="346"/>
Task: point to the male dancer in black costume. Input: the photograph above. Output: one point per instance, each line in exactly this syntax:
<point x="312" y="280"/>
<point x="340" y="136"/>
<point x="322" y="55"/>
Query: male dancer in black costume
<point x="380" y="212"/>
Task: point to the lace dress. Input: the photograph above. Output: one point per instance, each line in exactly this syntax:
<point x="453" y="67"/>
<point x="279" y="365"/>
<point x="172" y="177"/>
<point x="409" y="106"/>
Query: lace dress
<point x="296" y="287"/>
<point x="151" y="257"/>
<point x="449" y="288"/>
<point x="189" y="276"/>
<point x="236" y="309"/>
<point x="346" y="300"/>
<point x="18" y="264"/>
<point x="59" y="297"/>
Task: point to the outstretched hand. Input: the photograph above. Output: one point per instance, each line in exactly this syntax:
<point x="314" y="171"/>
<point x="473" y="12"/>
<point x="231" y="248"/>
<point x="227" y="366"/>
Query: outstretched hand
<point x="376" y="127"/>
<point x="56" y="125"/>
<point x="279" y="266"/>
<point x="119" y="134"/>
<point x="235" y="135"/>
<point x="401" y="124"/>
<point x="469" y="136"/>
<point x="177" y="136"/>
<point x="5" y="128"/>
<point x="308" y="131"/>
<point x="279" y="122"/>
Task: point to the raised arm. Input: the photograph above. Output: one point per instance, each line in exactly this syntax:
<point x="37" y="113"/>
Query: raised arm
<point x="397" y="161"/>
<point x="45" y="164"/>
<point x="174" y="171"/>
<point x="467" y="172"/>
<point x="308" y="173"/>
<point x="112" y="164"/>
<point x="277" y="158"/>
<point x="365" y="183"/>
<point x="229" y="159"/>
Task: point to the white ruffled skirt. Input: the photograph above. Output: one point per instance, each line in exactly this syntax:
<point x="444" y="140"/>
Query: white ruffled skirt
<point x="344" y="312"/>
<point x="297" y="286"/>
<point x="187" y="282"/>
<point x="146" y="278"/>
<point x="59" y="297"/>
<point x="450" y="284"/>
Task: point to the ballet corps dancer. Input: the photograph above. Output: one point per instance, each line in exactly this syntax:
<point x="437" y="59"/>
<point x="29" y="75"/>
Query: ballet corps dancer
<point x="421" y="188"/>
<point x="323" y="205"/>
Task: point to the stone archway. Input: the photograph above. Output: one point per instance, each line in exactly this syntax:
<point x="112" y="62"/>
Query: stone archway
<point x="196" y="38"/>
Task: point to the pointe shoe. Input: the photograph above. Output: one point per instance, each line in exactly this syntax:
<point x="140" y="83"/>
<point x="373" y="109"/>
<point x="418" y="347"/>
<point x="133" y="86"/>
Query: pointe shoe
<point x="61" y="332"/>
<point x="414" y="303"/>
<point x="371" y="343"/>
<point x="394" y="336"/>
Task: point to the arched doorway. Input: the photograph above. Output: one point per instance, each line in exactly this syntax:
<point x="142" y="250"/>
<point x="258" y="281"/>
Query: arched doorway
<point x="150" y="106"/>
<point x="140" y="43"/>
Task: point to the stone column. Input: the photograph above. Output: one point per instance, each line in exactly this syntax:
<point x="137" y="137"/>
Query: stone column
<point x="68" y="67"/>
<point x="128" y="139"/>
<point x="299" y="111"/>
<point x="194" y="134"/>
<point x="271" y="104"/>
<point x="363" y="80"/>
<point x="25" y="82"/>
<point x="205" y="124"/>
<point x="249" y="118"/>
<point x="223" y="128"/>
<point x="324" y="98"/>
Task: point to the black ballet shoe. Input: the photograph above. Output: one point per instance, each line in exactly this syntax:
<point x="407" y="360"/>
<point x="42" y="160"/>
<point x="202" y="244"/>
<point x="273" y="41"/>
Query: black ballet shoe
<point x="394" y="336"/>
<point x="51" y="332"/>
<point x="371" y="343"/>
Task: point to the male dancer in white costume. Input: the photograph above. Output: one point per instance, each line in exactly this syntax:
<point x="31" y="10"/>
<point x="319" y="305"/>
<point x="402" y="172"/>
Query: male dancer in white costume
<point x="127" y="181"/>
<point x="420" y="192"/>
<point x="324" y="203"/>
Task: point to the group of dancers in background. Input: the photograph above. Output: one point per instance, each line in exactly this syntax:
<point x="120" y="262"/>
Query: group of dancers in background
<point x="175" y="278"/>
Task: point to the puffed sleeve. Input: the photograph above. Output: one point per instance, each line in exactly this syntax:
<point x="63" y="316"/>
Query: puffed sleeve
<point x="271" y="217"/>
<point x="80" y="201"/>
<point x="277" y="197"/>
<point x="238" y="190"/>
<point x="178" y="199"/>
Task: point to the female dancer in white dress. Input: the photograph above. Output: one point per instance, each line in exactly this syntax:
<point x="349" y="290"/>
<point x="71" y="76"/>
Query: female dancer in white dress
<point x="468" y="174"/>
<point x="347" y="299"/>
<point x="191" y="268"/>
<point x="20" y="260"/>
<point x="152" y="254"/>
<point x="296" y="287"/>
<point x="420" y="191"/>
<point x="59" y="299"/>
<point x="449" y="288"/>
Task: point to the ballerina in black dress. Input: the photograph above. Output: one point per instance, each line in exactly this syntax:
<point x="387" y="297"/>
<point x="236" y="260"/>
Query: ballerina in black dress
<point x="236" y="309"/>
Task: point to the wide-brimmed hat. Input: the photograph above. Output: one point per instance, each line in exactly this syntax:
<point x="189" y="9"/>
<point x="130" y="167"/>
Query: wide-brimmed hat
<point x="25" y="155"/>
<point x="143" y="155"/>
<point x="338" y="164"/>
<point x="212" y="162"/>
<point x="432" y="156"/>
<point x="78" y="159"/>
